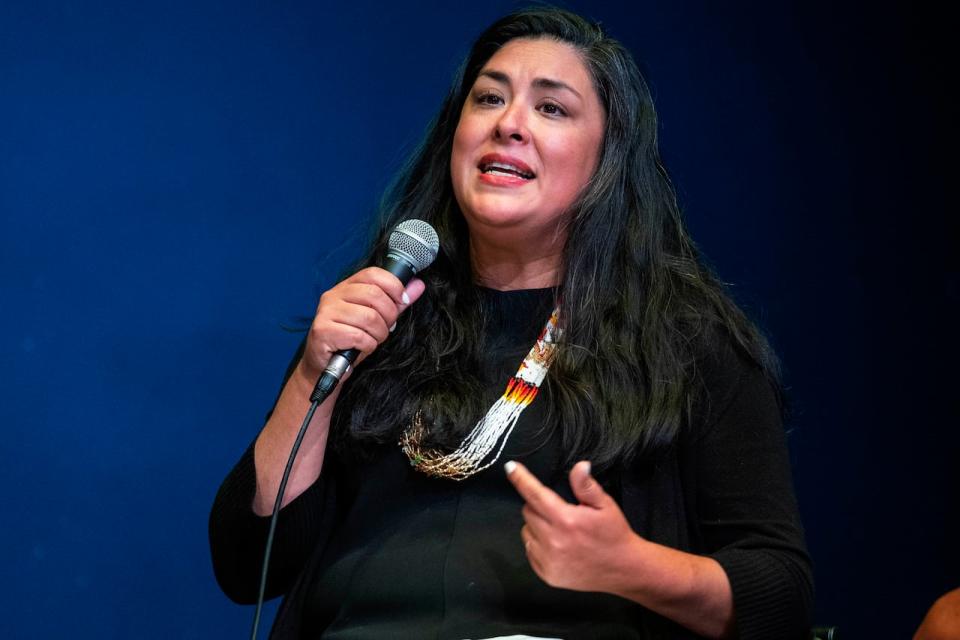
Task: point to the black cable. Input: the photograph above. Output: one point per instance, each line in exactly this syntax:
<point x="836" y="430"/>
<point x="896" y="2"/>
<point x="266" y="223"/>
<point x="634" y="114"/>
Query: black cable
<point x="320" y="393"/>
<point x="413" y="247"/>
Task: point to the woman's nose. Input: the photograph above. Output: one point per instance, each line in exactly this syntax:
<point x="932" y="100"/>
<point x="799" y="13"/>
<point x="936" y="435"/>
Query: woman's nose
<point x="511" y="125"/>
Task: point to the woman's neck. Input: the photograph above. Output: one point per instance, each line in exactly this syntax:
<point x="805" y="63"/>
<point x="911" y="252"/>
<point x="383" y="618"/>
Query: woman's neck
<point x="504" y="269"/>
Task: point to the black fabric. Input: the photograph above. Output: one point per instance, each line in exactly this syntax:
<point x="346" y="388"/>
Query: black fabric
<point x="377" y="550"/>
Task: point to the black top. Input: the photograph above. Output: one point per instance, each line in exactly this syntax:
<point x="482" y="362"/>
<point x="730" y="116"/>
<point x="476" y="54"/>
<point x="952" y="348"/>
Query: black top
<point x="379" y="550"/>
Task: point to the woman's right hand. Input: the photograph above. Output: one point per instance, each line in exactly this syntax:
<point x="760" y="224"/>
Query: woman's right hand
<point x="358" y="313"/>
<point x="355" y="314"/>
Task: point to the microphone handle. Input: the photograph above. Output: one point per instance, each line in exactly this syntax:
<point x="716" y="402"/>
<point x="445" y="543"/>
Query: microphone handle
<point x="342" y="360"/>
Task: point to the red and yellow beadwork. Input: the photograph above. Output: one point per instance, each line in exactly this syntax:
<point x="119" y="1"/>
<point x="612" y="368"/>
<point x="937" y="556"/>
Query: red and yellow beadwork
<point x="491" y="432"/>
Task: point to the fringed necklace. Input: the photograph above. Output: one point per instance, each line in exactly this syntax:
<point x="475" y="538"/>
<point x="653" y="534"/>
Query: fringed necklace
<point x="476" y="452"/>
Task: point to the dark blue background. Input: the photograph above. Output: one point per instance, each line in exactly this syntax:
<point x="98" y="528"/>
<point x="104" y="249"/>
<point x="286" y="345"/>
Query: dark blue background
<point x="180" y="179"/>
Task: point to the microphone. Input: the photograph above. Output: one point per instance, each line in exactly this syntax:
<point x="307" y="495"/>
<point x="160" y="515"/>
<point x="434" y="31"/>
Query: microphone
<point x="412" y="247"/>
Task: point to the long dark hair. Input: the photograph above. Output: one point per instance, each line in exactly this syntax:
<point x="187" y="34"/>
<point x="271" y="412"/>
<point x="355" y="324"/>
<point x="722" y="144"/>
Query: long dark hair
<point x="638" y="304"/>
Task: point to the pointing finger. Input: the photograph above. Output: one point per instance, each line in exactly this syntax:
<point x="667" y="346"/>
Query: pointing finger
<point x="541" y="499"/>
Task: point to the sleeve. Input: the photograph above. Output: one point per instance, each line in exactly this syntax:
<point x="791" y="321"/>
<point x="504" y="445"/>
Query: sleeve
<point x="745" y="505"/>
<point x="238" y="536"/>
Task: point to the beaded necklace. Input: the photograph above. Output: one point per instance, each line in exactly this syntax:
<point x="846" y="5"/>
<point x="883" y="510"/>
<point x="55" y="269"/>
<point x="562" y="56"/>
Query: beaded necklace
<point x="474" y="453"/>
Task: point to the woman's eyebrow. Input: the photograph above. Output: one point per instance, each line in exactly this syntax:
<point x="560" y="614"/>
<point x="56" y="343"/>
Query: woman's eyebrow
<point x="540" y="83"/>
<point x="497" y="76"/>
<point x="547" y="83"/>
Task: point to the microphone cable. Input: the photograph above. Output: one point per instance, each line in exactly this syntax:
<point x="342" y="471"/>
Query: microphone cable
<point x="412" y="247"/>
<point x="321" y="392"/>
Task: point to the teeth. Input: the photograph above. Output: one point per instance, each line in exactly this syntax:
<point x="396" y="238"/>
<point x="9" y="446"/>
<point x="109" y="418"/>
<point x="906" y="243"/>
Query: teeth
<point x="501" y="168"/>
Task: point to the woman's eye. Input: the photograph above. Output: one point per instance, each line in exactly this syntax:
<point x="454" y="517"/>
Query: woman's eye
<point x="489" y="99"/>
<point x="552" y="109"/>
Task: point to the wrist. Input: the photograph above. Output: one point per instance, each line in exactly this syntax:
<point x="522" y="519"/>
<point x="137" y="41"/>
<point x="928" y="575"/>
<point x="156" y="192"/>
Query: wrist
<point x="305" y="375"/>
<point x="632" y="569"/>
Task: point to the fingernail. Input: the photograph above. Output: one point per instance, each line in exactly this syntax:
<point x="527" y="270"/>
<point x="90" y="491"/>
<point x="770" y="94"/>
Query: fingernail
<point x="405" y="298"/>
<point x="510" y="467"/>
<point x="588" y="467"/>
<point x="392" y="327"/>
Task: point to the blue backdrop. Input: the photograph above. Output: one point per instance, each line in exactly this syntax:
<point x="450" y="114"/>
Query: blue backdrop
<point x="178" y="180"/>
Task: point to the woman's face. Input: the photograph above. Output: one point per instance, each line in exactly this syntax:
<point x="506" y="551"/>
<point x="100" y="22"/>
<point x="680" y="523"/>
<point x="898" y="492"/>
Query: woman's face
<point x="528" y="140"/>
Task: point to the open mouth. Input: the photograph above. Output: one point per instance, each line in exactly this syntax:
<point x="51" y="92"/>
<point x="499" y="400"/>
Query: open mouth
<point x="500" y="167"/>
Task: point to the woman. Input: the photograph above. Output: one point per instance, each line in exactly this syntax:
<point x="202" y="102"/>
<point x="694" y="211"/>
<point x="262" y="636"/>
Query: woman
<point x="647" y="491"/>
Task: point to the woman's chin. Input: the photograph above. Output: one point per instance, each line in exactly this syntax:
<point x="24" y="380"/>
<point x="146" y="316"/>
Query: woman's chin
<point x="509" y="215"/>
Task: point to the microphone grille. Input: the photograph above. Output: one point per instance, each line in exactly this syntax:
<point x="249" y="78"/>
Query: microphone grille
<point x="416" y="241"/>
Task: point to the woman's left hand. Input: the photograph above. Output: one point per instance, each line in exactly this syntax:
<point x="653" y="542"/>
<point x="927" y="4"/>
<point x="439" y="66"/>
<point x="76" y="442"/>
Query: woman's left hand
<point x="573" y="546"/>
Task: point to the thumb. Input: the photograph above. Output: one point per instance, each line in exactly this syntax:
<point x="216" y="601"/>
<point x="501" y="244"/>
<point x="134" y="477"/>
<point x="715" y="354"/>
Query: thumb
<point x="413" y="291"/>
<point x="586" y="489"/>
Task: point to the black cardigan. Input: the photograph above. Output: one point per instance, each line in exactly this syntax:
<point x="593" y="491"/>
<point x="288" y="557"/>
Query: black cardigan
<point x="378" y="550"/>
